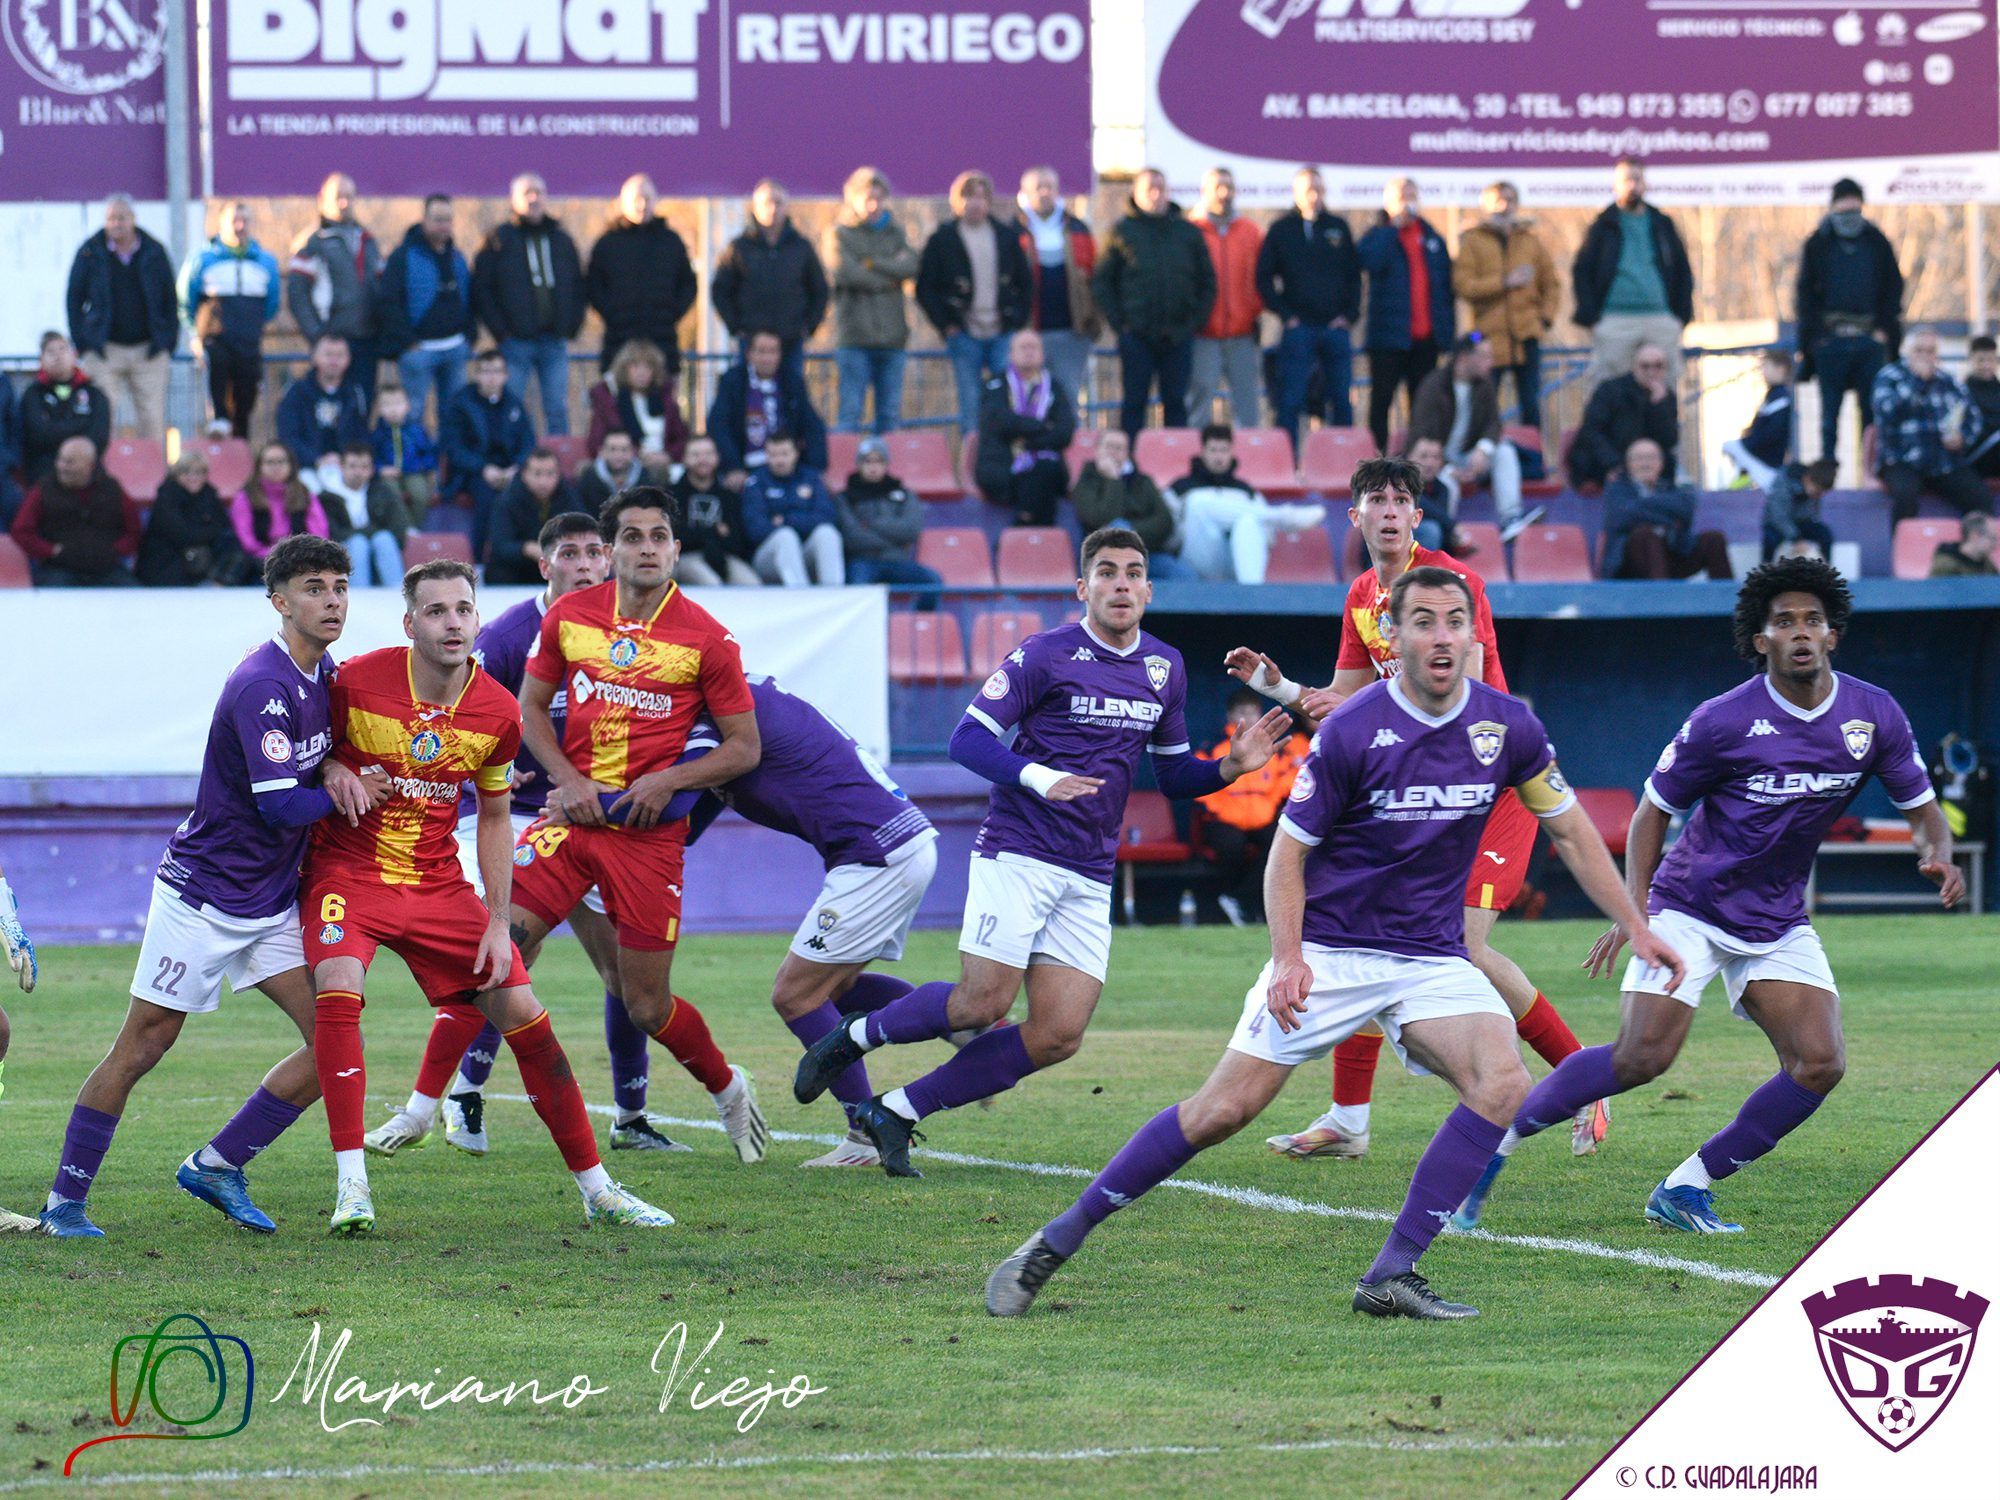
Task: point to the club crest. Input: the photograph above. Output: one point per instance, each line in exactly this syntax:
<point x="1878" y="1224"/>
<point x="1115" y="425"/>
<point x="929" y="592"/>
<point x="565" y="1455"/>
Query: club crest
<point x="426" y="746"/>
<point x="1859" y="735"/>
<point x="624" y="651"/>
<point x="1487" y="738"/>
<point x="1157" y="668"/>
<point x="1895" y="1348"/>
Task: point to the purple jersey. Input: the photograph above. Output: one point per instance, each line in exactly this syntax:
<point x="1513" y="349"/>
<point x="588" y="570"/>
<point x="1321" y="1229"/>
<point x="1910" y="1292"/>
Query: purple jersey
<point x="1770" y="779"/>
<point x="272" y="728"/>
<point x="1086" y="709"/>
<point x="502" y="649"/>
<point x="1394" y="802"/>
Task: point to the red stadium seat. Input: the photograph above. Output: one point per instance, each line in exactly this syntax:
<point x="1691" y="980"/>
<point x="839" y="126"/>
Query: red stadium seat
<point x="925" y="648"/>
<point x="1165" y="453"/>
<point x="960" y="554"/>
<point x="1331" y="454"/>
<point x="1610" y="808"/>
<point x="14" y="573"/>
<point x="426" y="546"/>
<point x="1527" y="439"/>
<point x="996" y="632"/>
<point x="1264" y="460"/>
<point x="572" y="452"/>
<point x="1082" y="449"/>
<point x="921" y="458"/>
<point x="1917" y="541"/>
<point x="1148" y="838"/>
<point x="1552" y="554"/>
<point x="1489" y="555"/>
<point x="228" y="463"/>
<point x="840" y="450"/>
<point x="1301" y="557"/>
<point x="1035" y="557"/>
<point x="139" y="464"/>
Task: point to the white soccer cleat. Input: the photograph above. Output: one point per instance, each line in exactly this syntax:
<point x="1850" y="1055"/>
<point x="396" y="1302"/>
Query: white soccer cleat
<point x="465" y="1122"/>
<point x="1588" y="1129"/>
<point x="736" y="1107"/>
<point x="13" y="1223"/>
<point x="1320" y="1139"/>
<point x="353" y="1209"/>
<point x="856" y="1151"/>
<point x="1292" y="517"/>
<point x="614" y="1205"/>
<point x="400" y="1130"/>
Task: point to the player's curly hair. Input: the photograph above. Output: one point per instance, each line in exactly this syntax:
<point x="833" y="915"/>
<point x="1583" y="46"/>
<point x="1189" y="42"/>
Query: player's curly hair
<point x="1789" y="575"/>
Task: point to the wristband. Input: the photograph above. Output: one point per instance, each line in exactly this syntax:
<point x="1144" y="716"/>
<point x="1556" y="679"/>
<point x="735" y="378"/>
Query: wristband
<point x="1040" y="779"/>
<point x="1284" y="692"/>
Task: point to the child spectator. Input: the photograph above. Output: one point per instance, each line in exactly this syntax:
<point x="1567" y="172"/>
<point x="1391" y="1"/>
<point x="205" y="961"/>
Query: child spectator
<point x="189" y="541"/>
<point x="880" y="521"/>
<point x="789" y="518"/>
<point x="275" y="505"/>
<point x="1792" y="524"/>
<point x="373" y="520"/>
<point x="1761" y="452"/>
<point x="405" y="454"/>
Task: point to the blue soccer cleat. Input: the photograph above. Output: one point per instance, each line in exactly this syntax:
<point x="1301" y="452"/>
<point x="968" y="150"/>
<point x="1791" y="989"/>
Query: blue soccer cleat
<point x="68" y="1221"/>
<point x="1688" y="1208"/>
<point x="224" y="1188"/>
<point x="1467" y="1214"/>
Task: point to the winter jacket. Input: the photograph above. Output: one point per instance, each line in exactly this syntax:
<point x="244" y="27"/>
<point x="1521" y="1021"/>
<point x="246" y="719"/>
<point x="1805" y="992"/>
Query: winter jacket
<point x="476" y="432"/>
<point x="595" y="485"/>
<point x="944" y="278"/>
<point x="870" y="263"/>
<point x="189" y="540"/>
<point x="425" y="294"/>
<point x="52" y="414"/>
<point x="90" y="295"/>
<point x="1769" y="435"/>
<point x="313" y="421"/>
<point x="312" y="521"/>
<point x="1950" y="561"/>
<point x="615" y="409"/>
<point x="1311" y="275"/>
<point x="642" y="284"/>
<point x="1436" y="408"/>
<point x="505" y="279"/>
<point x="1596" y="266"/>
<point x="778" y="286"/>
<point x="407" y="449"/>
<point x="1815" y="261"/>
<point x="881" y="520"/>
<point x="330" y="283"/>
<point x="1001" y="427"/>
<point x="1200" y="479"/>
<point x="97" y="527"/>
<point x="1619" y="414"/>
<point x="1667" y="506"/>
<point x="1079" y="261"/>
<point x="1155" y="281"/>
<point x="1233" y="249"/>
<point x="1381" y="254"/>
<point x="728" y="417"/>
<point x="1131" y="500"/>
<point x="230" y="292"/>
<point x="1787" y="502"/>
<point x="517" y="520"/>
<point x="1507" y="316"/>
<point x="1912" y="417"/>
<point x="800" y="500"/>
<point x="711" y="523"/>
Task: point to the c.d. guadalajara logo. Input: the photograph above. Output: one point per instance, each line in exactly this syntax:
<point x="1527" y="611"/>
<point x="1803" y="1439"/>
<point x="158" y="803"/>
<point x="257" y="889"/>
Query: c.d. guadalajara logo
<point x="1895" y="1349"/>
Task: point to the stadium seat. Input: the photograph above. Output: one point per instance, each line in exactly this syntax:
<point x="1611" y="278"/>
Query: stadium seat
<point x="1301" y="557"/>
<point x="1082" y="449"/>
<point x="1610" y="809"/>
<point x="996" y="632"/>
<point x="1527" y="439"/>
<point x="572" y="452"/>
<point x="139" y="464"/>
<point x="925" y="648"/>
<point x="426" y="546"/>
<point x="1489" y="555"/>
<point x="1148" y="838"/>
<point x="1552" y="554"/>
<point x="228" y="463"/>
<point x="1163" y="454"/>
<point x="14" y="573"/>
<point x="1032" y="557"/>
<point x="1917" y="541"/>
<point x="921" y="458"/>
<point x="840" y="450"/>
<point x="961" y="555"/>
<point x="1330" y="456"/>
<point x="1264" y="460"/>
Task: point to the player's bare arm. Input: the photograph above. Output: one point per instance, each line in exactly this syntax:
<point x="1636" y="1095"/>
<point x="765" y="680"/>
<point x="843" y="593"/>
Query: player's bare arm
<point x="496" y="871"/>
<point x="571" y="793"/>
<point x="1285" y="907"/>
<point x="1309" y="704"/>
<point x="1932" y="836"/>
<point x="738" y="754"/>
<point x="1582" y="849"/>
<point x="1645" y="841"/>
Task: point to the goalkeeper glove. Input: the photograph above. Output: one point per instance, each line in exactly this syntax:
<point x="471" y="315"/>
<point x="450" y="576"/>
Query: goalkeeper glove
<point x="20" y="951"/>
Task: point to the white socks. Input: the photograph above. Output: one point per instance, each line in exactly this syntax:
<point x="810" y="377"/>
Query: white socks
<point x="1348" y="1119"/>
<point x="728" y="1096"/>
<point x="422" y="1108"/>
<point x="630" y="1116"/>
<point x="351" y="1166"/>
<point x="1691" y="1173"/>
<point x="460" y="1084"/>
<point x="857" y="1029"/>
<point x="592" y="1181"/>
<point x="211" y="1159"/>
<point x="898" y="1102"/>
<point x="1507" y="1143"/>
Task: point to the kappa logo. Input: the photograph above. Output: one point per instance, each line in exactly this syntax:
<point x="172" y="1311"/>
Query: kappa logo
<point x="1084" y="653"/>
<point x="1762" y="726"/>
<point x="1385" y="738"/>
<point x="1859" y="736"/>
<point x="276" y="705"/>
<point x="1488" y="736"/>
<point x="1895" y="1350"/>
<point x="1157" y="668"/>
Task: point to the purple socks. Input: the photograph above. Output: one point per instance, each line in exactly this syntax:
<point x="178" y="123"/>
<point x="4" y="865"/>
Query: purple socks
<point x="987" y="1065"/>
<point x="1452" y="1162"/>
<point x="627" y="1046"/>
<point x="916" y="1017"/>
<point x="84" y="1144"/>
<point x="1158" y="1151"/>
<point x="872" y="992"/>
<point x="1775" y="1110"/>
<point x="477" y="1064"/>
<point x="262" y="1119"/>
<point x="1581" y="1078"/>
<point x="851" y="1087"/>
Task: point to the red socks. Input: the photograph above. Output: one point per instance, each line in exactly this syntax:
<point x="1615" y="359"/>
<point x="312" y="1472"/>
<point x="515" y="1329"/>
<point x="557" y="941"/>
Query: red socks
<point x="552" y="1089"/>
<point x="343" y="1079"/>
<point x="1354" y="1068"/>
<point x="1547" y="1032"/>
<point x="452" y="1032"/>
<point x="686" y="1036"/>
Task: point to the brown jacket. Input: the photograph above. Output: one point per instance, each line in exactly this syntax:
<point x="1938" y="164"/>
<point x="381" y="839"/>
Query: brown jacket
<point x="1436" y="407"/>
<point x="1507" y="315"/>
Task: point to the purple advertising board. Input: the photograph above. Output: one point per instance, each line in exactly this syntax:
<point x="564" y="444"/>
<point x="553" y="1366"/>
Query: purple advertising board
<point x="83" y="99"/>
<point x="1727" y="100"/>
<point x="413" y="96"/>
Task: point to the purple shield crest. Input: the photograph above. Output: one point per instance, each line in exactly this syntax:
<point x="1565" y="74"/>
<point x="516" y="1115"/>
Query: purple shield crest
<point x="1895" y="1349"/>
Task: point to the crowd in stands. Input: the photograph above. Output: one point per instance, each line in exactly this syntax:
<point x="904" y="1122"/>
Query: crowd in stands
<point x="413" y="413"/>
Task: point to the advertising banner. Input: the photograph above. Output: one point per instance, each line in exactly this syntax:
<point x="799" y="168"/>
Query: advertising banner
<point x="83" y="99"/>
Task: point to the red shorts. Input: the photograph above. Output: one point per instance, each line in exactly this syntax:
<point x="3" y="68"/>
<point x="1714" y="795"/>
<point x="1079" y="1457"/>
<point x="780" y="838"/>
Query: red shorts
<point x="435" y="928"/>
<point x="638" y="876"/>
<point x="1501" y="866"/>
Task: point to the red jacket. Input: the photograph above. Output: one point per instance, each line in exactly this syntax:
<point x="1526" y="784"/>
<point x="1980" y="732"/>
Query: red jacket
<point x="96" y="527"/>
<point x="611" y="410"/>
<point x="1234" y="250"/>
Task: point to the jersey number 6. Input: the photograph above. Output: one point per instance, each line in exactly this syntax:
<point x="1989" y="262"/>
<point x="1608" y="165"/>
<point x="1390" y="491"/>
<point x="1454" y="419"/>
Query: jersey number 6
<point x="333" y="908"/>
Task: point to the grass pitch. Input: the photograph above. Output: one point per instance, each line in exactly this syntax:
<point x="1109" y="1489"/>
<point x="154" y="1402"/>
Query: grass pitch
<point x="1200" y="1344"/>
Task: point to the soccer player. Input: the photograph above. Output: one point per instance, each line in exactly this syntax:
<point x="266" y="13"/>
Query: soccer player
<point x="433" y="719"/>
<point x="1386" y="512"/>
<point x="1087" y="700"/>
<point x="1761" y="773"/>
<point x="21" y="959"/>
<point x="1362" y="890"/>
<point x="225" y="899"/>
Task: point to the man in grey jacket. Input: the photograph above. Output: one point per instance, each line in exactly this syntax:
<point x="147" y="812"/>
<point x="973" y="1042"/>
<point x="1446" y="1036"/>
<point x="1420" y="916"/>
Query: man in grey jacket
<point x="330" y="282"/>
<point x="880" y="522"/>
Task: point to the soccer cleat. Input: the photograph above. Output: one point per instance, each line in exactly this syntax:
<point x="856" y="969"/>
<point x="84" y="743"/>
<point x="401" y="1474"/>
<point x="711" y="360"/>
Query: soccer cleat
<point x="891" y="1134"/>
<point x="825" y="1060"/>
<point x="1232" y="909"/>
<point x="399" y="1131"/>
<point x="68" y="1221"/>
<point x="641" y="1134"/>
<point x="353" y="1209"/>
<point x="224" y="1188"/>
<point x="1588" y="1129"/>
<point x="1512" y="529"/>
<point x="1320" y="1140"/>
<point x="465" y="1122"/>
<point x="13" y="1223"/>
<point x="614" y="1205"/>
<point x="1408" y="1296"/>
<point x="1018" y="1280"/>
<point x="1466" y="1216"/>
<point x="736" y="1107"/>
<point x="1688" y="1208"/>
<point x="856" y="1151"/>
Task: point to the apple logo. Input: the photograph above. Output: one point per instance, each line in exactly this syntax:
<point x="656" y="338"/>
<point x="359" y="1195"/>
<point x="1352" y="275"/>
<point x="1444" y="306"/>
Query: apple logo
<point x="1848" y="30"/>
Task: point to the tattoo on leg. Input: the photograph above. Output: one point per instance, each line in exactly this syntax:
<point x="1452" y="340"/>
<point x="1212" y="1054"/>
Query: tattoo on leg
<point x="519" y="932"/>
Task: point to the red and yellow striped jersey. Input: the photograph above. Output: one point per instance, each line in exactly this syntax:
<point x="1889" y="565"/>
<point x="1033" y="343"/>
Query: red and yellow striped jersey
<point x="635" y="687"/>
<point x="1365" y="643"/>
<point x="428" y="750"/>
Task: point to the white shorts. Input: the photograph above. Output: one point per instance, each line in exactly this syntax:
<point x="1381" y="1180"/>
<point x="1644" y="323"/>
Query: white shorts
<point x="864" y="912"/>
<point x="189" y="950"/>
<point x="468" y="854"/>
<point x="1796" y="958"/>
<point x="1353" y="986"/>
<point x="1020" y="911"/>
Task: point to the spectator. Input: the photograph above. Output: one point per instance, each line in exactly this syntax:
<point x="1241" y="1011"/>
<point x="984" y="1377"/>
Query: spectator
<point x="60" y="403"/>
<point x="1633" y="283"/>
<point x="1111" y="491"/>
<point x="714" y="549"/>
<point x="1982" y="388"/>
<point x="1792" y="523"/>
<point x="636" y="397"/>
<point x="10" y="453"/>
<point x="615" y="470"/>
<point x="1236" y="824"/>
<point x="880" y="522"/>
<point x="791" y="520"/>
<point x="1971" y="556"/>
<point x="485" y="436"/>
<point x="536" y="493"/>
<point x="1308" y="274"/>
<point x="1156" y="286"/>
<point x="1411" y="308"/>
<point x="1622" y="410"/>
<point x="769" y="279"/>
<point x="374" y="520"/>
<point x="527" y="288"/>
<point x="78" y="527"/>
<point x="1850" y="308"/>
<point x="124" y="316"/>
<point x="230" y="289"/>
<point x="871" y="260"/>
<point x="425" y="307"/>
<point x="1459" y="405"/>
<point x="331" y="281"/>
<point x="1226" y="526"/>
<point x="1438" y="501"/>
<point x="275" y="505"/>
<point x="189" y="540"/>
<point x="1026" y="422"/>
<point x="1767" y="442"/>
<point x="756" y="398"/>
<point x="405" y="455"/>
<point x="1924" y="424"/>
<point x="973" y="283"/>
<point x="1060" y="255"/>
<point x="1509" y="283"/>
<point x="322" y="412"/>
<point x="1649" y="523"/>
<point x="640" y="279"/>
<point x="1226" y="349"/>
